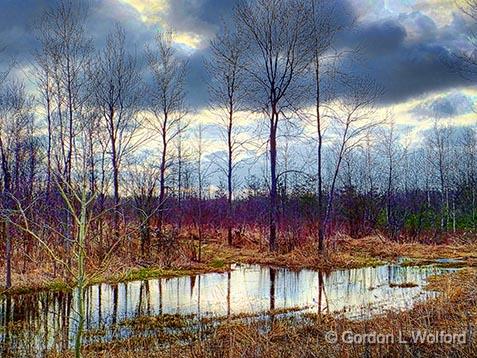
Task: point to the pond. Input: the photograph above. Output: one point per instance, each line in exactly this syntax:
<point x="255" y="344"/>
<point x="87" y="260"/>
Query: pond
<point x="38" y="322"/>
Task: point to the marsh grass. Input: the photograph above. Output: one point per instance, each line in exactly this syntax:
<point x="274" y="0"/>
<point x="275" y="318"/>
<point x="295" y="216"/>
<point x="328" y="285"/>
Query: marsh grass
<point x="342" y="253"/>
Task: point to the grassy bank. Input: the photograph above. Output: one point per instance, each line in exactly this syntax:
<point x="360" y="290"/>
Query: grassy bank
<point x="32" y="283"/>
<point x="342" y="253"/>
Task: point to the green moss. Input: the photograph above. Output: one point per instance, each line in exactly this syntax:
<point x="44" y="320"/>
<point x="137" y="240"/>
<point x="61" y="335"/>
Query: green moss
<point x="454" y="264"/>
<point x="417" y="262"/>
<point x="56" y="285"/>
<point x="366" y="261"/>
<point x="217" y="263"/>
<point x="146" y="273"/>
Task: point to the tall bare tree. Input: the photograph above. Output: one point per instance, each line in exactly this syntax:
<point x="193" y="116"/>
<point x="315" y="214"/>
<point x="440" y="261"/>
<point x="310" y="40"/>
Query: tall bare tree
<point x="15" y="121"/>
<point x="63" y="40"/>
<point x="228" y="93"/>
<point x="116" y="88"/>
<point x="277" y="57"/>
<point x="351" y="120"/>
<point x="167" y="102"/>
<point x="391" y="152"/>
<point x="43" y="75"/>
<point x="322" y="21"/>
<point x="65" y="56"/>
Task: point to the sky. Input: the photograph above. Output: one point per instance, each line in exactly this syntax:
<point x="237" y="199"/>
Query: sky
<point x="407" y="46"/>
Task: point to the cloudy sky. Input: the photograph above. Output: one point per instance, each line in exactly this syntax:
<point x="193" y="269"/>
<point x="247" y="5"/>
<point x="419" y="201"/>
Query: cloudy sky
<point x="407" y="46"/>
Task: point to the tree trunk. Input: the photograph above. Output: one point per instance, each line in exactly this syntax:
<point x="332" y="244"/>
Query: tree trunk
<point x="115" y="188"/>
<point x="7" y="199"/>
<point x="48" y="152"/>
<point x="229" y="180"/>
<point x="389" y="202"/>
<point x="80" y="308"/>
<point x="273" y="178"/>
<point x="162" y="180"/>
<point x="321" y="235"/>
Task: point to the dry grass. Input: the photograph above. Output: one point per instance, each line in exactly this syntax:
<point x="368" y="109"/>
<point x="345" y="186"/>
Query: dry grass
<point x="279" y="335"/>
<point x="344" y="252"/>
<point x="125" y="264"/>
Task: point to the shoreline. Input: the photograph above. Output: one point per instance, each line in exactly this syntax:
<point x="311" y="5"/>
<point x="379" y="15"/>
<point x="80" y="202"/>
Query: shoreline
<point x="349" y="254"/>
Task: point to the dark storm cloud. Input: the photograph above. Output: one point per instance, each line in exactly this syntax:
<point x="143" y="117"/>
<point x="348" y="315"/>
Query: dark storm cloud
<point x="204" y="18"/>
<point x="18" y="21"/>
<point x="379" y="38"/>
<point x="17" y="28"/>
<point x="408" y="53"/>
<point x="197" y="82"/>
<point x="413" y="70"/>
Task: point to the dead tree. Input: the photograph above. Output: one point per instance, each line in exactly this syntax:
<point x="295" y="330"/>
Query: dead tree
<point x="321" y="16"/>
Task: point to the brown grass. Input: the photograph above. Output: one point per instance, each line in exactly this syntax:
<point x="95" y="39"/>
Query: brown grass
<point x="41" y="272"/>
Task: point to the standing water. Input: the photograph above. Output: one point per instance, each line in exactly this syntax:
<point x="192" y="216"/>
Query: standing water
<point x="41" y="321"/>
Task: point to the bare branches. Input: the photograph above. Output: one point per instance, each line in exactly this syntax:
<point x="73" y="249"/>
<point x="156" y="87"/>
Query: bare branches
<point x="167" y="100"/>
<point x="116" y="87"/>
<point x="278" y="53"/>
<point x="64" y="58"/>
<point x="167" y="89"/>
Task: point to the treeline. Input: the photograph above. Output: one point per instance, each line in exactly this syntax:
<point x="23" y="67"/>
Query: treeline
<point x="109" y="132"/>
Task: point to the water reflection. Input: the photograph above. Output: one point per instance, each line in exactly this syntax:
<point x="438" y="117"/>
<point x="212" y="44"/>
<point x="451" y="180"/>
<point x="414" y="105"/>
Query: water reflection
<point x="32" y="323"/>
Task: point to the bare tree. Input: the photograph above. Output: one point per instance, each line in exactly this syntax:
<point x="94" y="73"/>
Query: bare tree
<point x="228" y="93"/>
<point x="43" y="75"/>
<point x="116" y="88"/>
<point x="277" y="57"/>
<point x="203" y="172"/>
<point x="468" y="168"/>
<point x="62" y="37"/>
<point x="15" y="121"/>
<point x="322" y="17"/>
<point x="143" y="189"/>
<point x="167" y="102"/>
<point x="64" y="56"/>
<point x="392" y="154"/>
<point x="439" y="142"/>
<point x="78" y="202"/>
<point x="352" y="121"/>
